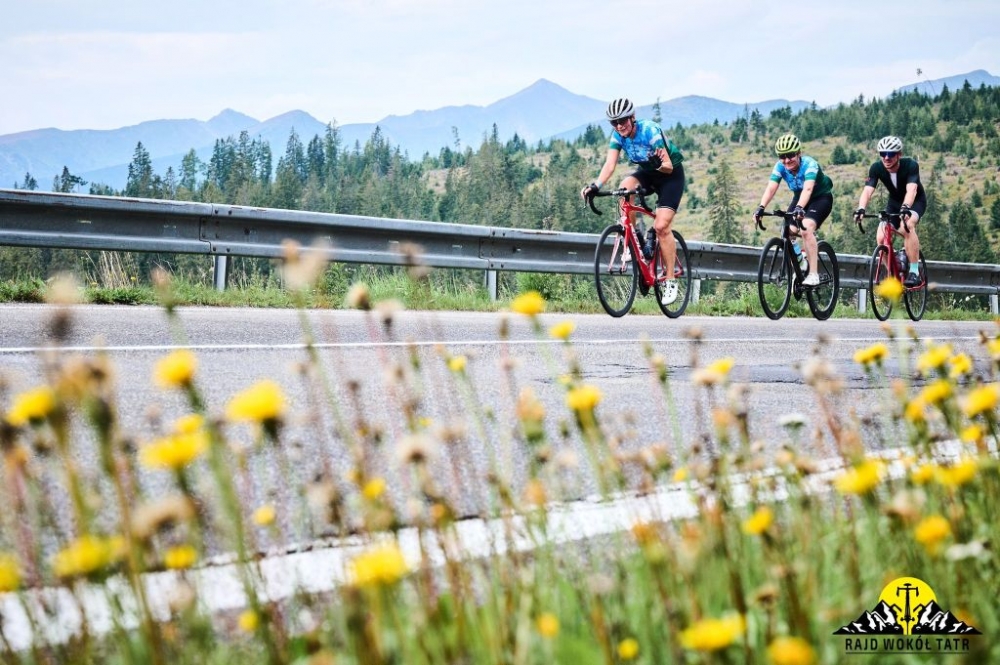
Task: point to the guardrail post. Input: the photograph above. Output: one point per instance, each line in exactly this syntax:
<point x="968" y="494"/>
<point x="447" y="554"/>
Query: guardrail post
<point x="490" y="282"/>
<point x="994" y="298"/>
<point x="221" y="272"/>
<point x="862" y="301"/>
<point x="695" y="290"/>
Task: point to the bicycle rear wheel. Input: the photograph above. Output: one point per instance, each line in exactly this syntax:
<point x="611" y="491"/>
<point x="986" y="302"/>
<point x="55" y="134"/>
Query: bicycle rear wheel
<point x="915" y="299"/>
<point x="774" y="279"/>
<point x="823" y="297"/>
<point x="614" y="271"/>
<point x="878" y="271"/>
<point x="682" y="277"/>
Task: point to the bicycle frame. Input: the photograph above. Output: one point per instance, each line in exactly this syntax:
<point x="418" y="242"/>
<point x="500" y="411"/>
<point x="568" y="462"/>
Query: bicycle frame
<point x="890" y="232"/>
<point x="789" y="252"/>
<point x="625" y="208"/>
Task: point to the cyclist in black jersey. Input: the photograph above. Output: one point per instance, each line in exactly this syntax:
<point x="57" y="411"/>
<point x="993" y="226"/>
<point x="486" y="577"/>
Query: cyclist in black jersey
<point x="901" y="177"/>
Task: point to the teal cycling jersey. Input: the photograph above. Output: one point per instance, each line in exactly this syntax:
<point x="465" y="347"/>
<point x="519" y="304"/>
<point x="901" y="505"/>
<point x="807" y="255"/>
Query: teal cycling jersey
<point x="809" y="169"/>
<point x="648" y="138"/>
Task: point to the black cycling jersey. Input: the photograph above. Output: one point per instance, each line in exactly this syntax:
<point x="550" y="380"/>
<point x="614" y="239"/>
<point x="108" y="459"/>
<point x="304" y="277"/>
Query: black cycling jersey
<point x="908" y="172"/>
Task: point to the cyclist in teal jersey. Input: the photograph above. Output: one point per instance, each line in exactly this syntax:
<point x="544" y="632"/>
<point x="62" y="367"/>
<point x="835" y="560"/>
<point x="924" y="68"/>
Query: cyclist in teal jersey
<point x="812" y="198"/>
<point x="659" y="169"/>
<point x="901" y="177"/>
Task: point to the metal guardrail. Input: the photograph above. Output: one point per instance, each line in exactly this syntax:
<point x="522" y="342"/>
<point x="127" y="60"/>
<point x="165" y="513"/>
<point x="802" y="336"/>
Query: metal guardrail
<point x="77" y="221"/>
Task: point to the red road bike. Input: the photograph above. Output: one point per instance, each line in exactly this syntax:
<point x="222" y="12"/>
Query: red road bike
<point x="887" y="262"/>
<point x="620" y="268"/>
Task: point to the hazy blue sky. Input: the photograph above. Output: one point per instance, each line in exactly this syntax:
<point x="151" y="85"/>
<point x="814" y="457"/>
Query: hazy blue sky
<point x="103" y="64"/>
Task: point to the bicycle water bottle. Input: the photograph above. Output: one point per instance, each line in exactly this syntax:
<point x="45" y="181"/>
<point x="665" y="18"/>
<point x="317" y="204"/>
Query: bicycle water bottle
<point x="650" y="241"/>
<point x="902" y="261"/>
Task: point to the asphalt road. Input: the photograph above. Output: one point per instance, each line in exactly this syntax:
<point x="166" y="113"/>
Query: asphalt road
<point x="236" y="347"/>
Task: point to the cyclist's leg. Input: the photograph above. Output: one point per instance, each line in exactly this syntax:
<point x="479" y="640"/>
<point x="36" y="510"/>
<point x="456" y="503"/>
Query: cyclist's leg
<point x="669" y="190"/>
<point x="630" y="182"/>
<point x="911" y="241"/>
<point x="818" y="210"/>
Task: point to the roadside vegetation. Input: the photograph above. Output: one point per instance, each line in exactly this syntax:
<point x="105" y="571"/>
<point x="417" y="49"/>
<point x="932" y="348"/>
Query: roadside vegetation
<point x="781" y="548"/>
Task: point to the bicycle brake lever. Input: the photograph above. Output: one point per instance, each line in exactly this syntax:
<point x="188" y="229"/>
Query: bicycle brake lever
<point x="590" y="202"/>
<point x="861" y="228"/>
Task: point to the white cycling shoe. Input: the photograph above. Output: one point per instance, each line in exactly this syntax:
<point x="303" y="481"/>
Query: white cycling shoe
<point x="812" y="279"/>
<point x="669" y="292"/>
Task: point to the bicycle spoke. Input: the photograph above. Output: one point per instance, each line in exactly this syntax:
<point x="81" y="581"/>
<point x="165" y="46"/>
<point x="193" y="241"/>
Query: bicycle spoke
<point x="823" y="297"/>
<point x="878" y="271"/>
<point x="915" y="298"/>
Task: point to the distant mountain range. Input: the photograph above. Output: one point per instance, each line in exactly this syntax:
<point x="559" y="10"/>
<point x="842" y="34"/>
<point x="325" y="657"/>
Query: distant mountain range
<point x="541" y="111"/>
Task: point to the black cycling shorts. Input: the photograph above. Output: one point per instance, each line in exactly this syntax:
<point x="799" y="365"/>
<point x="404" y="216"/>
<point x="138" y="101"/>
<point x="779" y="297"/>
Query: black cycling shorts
<point x="819" y="207"/>
<point x="669" y="187"/>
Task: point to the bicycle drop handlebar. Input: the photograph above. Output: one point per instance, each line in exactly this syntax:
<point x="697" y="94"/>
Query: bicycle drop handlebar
<point x="640" y="191"/>
<point x="884" y="217"/>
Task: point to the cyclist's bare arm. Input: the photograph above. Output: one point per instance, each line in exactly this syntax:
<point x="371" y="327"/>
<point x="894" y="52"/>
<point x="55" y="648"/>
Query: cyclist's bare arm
<point x="768" y="194"/>
<point x="911" y="194"/>
<point x="866" y="195"/>
<point x="609" y="165"/>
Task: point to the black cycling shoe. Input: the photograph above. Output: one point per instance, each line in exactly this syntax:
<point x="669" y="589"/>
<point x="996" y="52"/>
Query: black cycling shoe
<point x="912" y="279"/>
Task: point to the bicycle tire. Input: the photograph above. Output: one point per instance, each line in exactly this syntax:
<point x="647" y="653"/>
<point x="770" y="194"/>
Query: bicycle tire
<point x="915" y="299"/>
<point x="615" y="277"/>
<point x="878" y="270"/>
<point x="774" y="280"/>
<point x="823" y="297"/>
<point x="682" y="275"/>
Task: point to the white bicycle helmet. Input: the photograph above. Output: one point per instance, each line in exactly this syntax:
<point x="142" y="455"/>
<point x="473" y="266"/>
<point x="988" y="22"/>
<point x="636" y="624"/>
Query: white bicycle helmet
<point x="890" y="144"/>
<point x="620" y="108"/>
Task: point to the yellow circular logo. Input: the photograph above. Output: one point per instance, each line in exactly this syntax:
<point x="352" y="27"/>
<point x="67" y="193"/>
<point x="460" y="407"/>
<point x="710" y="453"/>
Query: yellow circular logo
<point x="906" y="597"/>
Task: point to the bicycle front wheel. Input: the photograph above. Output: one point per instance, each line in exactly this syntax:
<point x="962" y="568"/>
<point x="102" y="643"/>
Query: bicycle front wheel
<point x="682" y="278"/>
<point x="774" y="279"/>
<point x="823" y="297"/>
<point x="915" y="298"/>
<point x="878" y="272"/>
<point x="615" y="274"/>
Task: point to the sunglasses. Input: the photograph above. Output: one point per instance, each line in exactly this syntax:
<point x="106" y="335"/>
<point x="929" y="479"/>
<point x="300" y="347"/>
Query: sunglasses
<point x="888" y="155"/>
<point x="620" y="122"/>
<point x="787" y="155"/>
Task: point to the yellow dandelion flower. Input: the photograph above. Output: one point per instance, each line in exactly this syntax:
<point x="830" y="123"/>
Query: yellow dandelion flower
<point x="936" y="392"/>
<point x="931" y="532"/>
<point x="859" y="479"/>
<point x="916" y="410"/>
<point x="176" y="370"/>
<point x="960" y="365"/>
<point x="972" y="433"/>
<point x="457" y="363"/>
<point x="248" y="621"/>
<point x="529" y="407"/>
<point x="981" y="400"/>
<point x="32" y="406"/>
<point x="562" y="330"/>
<point x="934" y="357"/>
<point x="10" y="573"/>
<point x="535" y="493"/>
<point x="875" y="353"/>
<point x="923" y="474"/>
<point x="715" y="373"/>
<point x="261" y="402"/>
<point x="382" y="565"/>
<point x="759" y="522"/>
<point x="583" y="398"/>
<point x="174" y="451"/>
<point x="712" y="634"/>
<point x="791" y="651"/>
<point x="86" y="555"/>
<point x="993" y="346"/>
<point x="628" y="648"/>
<point x="180" y="557"/>
<point x="957" y="474"/>
<point x="890" y="289"/>
<point x="264" y="515"/>
<point x="681" y="474"/>
<point x="373" y="489"/>
<point x="530" y="304"/>
<point x="548" y="625"/>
